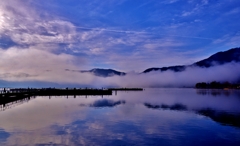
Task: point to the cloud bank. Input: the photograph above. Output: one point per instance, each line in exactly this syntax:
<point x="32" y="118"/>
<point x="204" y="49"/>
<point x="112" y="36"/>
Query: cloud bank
<point x="31" y="71"/>
<point x="228" y="72"/>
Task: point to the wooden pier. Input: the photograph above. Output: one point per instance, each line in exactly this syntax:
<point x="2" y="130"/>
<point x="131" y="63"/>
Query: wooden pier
<point x="126" y="89"/>
<point x="24" y="94"/>
<point x="12" y="95"/>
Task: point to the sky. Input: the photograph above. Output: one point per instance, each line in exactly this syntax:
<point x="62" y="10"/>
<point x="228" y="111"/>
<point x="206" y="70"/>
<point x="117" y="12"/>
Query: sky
<point x="38" y="37"/>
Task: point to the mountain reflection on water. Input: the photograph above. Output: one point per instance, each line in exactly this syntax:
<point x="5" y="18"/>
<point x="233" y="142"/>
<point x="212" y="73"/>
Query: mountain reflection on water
<point x="225" y="118"/>
<point x="107" y="103"/>
<point x="151" y="117"/>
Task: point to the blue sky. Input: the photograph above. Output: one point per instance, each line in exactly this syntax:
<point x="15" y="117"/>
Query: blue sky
<point x="125" y="35"/>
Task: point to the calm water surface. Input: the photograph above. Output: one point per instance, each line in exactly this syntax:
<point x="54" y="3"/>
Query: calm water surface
<point x="149" y="117"/>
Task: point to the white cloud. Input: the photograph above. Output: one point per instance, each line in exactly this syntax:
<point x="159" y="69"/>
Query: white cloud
<point x="170" y="1"/>
<point x="234" y="11"/>
<point x="198" y="7"/>
<point x="29" y="64"/>
<point x="25" y="26"/>
<point x="228" y="41"/>
<point x="97" y="51"/>
<point x="163" y="44"/>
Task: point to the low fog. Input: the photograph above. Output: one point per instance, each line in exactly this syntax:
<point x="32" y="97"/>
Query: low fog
<point x="20" y="67"/>
<point x="228" y="72"/>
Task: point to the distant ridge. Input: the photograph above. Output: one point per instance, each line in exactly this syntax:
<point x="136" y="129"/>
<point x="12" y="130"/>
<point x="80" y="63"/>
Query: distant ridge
<point x="178" y="68"/>
<point x="104" y="72"/>
<point x="232" y="55"/>
<point x="220" y="58"/>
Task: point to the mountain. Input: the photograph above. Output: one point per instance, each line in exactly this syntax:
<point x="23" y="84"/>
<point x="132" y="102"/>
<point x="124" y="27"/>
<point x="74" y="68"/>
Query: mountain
<point x="178" y="68"/>
<point x="232" y="55"/>
<point x="220" y="58"/>
<point x="104" y="72"/>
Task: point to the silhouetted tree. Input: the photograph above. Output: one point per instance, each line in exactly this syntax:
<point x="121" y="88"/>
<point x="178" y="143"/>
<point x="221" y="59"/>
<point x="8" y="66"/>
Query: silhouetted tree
<point x="215" y="85"/>
<point x="202" y="85"/>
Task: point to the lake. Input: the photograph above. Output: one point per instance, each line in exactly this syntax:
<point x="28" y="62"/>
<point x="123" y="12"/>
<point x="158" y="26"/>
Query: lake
<point x="155" y="116"/>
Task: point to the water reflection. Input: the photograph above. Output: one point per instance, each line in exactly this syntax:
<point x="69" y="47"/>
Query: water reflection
<point x="176" y="106"/>
<point x="13" y="103"/>
<point x="3" y="135"/>
<point x="225" y="118"/>
<point x="216" y="92"/>
<point x="151" y="117"/>
<point x="105" y="103"/>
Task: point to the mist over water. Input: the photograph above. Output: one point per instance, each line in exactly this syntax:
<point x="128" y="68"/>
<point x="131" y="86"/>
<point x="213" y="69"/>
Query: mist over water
<point x="229" y="72"/>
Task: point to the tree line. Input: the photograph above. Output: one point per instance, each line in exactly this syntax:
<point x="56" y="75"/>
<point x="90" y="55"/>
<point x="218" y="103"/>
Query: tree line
<point x="217" y="85"/>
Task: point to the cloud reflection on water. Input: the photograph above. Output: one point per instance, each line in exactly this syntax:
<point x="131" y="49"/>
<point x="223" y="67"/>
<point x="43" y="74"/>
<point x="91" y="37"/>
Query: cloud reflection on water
<point x="4" y="135"/>
<point x="61" y="121"/>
